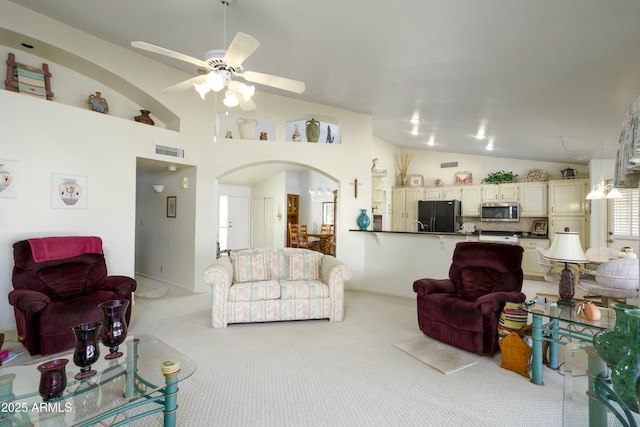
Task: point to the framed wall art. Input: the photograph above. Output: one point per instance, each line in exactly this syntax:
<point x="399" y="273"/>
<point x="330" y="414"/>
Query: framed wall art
<point x="8" y="179"/>
<point x="539" y="227"/>
<point x="172" y="206"/>
<point x="69" y="191"/>
<point x="416" y="180"/>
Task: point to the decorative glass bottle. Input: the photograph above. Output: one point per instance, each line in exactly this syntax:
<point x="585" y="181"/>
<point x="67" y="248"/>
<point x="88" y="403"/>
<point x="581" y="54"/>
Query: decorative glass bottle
<point x="625" y="374"/>
<point x="612" y="344"/>
<point x="363" y="220"/>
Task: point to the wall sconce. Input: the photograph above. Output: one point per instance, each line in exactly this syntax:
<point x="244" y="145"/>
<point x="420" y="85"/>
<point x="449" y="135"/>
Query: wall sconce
<point x="279" y="215"/>
<point x="158" y="188"/>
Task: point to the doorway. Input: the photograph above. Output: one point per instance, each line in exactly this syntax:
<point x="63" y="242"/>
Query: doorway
<point x="233" y="222"/>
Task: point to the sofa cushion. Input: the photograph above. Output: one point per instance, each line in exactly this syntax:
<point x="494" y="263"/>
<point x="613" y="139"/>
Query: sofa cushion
<point x="254" y="291"/>
<point x="250" y="267"/>
<point x="303" y="265"/>
<point x="478" y="281"/>
<point x="303" y="289"/>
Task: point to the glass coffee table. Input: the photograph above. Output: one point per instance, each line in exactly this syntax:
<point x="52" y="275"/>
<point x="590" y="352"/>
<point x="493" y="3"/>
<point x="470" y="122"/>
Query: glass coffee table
<point x="565" y="327"/>
<point x="142" y="382"/>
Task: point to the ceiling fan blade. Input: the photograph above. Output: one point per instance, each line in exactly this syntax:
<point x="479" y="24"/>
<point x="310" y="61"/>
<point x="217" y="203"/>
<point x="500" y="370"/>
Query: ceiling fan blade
<point x="246" y="105"/>
<point x="166" y="52"/>
<point x="274" y="81"/>
<point x="240" y="48"/>
<point x="187" y="84"/>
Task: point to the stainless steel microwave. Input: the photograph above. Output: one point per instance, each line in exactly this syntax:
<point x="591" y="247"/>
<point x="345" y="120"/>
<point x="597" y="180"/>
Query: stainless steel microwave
<point x="504" y="211"/>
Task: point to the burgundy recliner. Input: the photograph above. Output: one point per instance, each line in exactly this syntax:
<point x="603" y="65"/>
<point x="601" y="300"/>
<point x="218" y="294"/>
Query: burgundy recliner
<point x="463" y="310"/>
<point x="61" y="288"/>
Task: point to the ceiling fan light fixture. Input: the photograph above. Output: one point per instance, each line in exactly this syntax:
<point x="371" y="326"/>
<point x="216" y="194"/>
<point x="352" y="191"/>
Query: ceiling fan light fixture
<point x="246" y="91"/>
<point x="201" y="88"/>
<point x="215" y="81"/>
<point x="230" y="99"/>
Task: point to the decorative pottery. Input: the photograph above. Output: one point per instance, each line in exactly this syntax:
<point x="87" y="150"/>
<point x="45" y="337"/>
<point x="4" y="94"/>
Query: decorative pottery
<point x="114" y="325"/>
<point x="5" y="178"/>
<point x="53" y="378"/>
<point x="612" y="344"/>
<point x="228" y="135"/>
<point x="330" y="137"/>
<point x="625" y="374"/>
<point x="313" y="130"/>
<point x="69" y="191"/>
<point x="144" y="117"/>
<point x="87" y="350"/>
<point x="296" y="137"/>
<point x="97" y="103"/>
<point x="247" y="128"/>
<point x="363" y="219"/>
<point x="263" y="136"/>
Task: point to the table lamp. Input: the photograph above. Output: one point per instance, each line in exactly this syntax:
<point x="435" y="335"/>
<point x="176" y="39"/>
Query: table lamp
<point x="566" y="247"/>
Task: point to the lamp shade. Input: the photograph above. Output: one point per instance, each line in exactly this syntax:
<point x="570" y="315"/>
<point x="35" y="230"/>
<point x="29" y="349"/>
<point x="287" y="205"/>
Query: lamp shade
<point x="566" y="247"/>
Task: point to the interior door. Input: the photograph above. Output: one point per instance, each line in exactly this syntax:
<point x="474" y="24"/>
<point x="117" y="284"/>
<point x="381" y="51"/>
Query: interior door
<point x="234" y="222"/>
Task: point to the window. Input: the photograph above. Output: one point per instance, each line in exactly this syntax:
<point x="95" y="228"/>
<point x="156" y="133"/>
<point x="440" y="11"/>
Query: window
<point x="624" y="214"/>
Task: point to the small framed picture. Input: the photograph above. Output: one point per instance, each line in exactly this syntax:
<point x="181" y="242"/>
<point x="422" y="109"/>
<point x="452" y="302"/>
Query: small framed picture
<point x="539" y="227"/>
<point x="464" y="178"/>
<point x="416" y="181"/>
<point x="172" y="205"/>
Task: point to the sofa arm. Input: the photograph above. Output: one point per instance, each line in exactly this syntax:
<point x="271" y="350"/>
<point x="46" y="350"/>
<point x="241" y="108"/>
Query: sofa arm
<point x="495" y="301"/>
<point x="219" y="274"/>
<point x="432" y="286"/>
<point x="334" y="273"/>
<point x="122" y="285"/>
<point x="28" y="301"/>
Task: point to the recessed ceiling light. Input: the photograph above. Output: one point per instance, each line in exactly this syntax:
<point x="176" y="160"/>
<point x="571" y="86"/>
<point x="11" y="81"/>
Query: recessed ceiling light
<point x="414" y="120"/>
<point x="27" y="45"/>
<point x="431" y="141"/>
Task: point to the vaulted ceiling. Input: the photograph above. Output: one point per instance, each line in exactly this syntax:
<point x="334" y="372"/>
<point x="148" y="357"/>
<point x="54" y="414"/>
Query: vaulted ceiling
<point x="546" y="79"/>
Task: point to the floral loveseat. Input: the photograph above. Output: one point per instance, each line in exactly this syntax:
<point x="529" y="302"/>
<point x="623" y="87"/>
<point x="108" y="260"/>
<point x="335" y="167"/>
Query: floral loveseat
<point x="270" y="284"/>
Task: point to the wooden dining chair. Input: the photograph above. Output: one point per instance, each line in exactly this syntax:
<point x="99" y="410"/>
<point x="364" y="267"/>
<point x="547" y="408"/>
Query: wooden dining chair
<point x="293" y="235"/>
<point x="303" y="238"/>
<point x="326" y="228"/>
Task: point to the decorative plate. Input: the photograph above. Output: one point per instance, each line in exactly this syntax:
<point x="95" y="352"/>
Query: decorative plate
<point x="535" y="175"/>
<point x="416" y="181"/>
<point x="464" y="177"/>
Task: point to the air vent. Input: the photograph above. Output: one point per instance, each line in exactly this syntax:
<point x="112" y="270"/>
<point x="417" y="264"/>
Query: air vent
<point x="170" y="151"/>
<point x="449" y="165"/>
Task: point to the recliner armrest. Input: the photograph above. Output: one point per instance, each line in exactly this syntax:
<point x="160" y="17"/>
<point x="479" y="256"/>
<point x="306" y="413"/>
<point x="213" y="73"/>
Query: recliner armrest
<point x="431" y="286"/>
<point x="28" y="301"/>
<point x="496" y="300"/>
<point x="122" y="285"/>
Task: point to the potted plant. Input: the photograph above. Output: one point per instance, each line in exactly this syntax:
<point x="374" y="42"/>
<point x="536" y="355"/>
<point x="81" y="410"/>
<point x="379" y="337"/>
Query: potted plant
<point x="500" y="177"/>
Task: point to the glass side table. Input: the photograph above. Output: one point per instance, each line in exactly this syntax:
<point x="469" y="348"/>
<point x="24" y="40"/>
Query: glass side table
<point x="142" y="382"/>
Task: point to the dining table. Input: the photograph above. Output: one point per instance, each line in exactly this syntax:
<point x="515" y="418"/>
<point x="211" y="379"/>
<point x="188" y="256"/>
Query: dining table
<point x="324" y="241"/>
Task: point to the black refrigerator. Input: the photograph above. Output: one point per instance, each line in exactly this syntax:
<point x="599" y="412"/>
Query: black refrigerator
<point x="442" y="216"/>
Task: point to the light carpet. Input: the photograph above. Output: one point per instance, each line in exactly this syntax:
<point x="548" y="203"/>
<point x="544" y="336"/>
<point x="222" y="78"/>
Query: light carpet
<point x="439" y="356"/>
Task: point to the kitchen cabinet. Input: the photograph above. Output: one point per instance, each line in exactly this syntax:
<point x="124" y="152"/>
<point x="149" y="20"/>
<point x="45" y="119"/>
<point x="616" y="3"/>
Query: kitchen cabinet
<point x="404" y="207"/>
<point x="443" y="193"/>
<point x="567" y="197"/>
<point x="500" y="192"/>
<point x="578" y="224"/>
<point x="471" y="199"/>
<point x="530" y="265"/>
<point x="533" y="199"/>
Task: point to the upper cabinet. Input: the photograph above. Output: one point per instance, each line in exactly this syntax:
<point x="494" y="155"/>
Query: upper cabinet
<point x="500" y="192"/>
<point x="567" y="197"/>
<point x="443" y="193"/>
<point x="533" y="199"/>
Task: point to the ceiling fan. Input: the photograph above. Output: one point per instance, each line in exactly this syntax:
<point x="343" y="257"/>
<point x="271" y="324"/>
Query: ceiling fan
<point x="221" y="68"/>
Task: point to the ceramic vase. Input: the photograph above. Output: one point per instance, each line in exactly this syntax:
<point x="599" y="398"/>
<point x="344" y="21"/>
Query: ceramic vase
<point x="296" y="137"/>
<point x="69" y="191"/>
<point x="144" y="118"/>
<point x="625" y="374"/>
<point x="247" y="128"/>
<point x="313" y="130"/>
<point x="53" y="378"/>
<point x="363" y="220"/>
<point x="87" y="350"/>
<point x="114" y="325"/>
<point x="612" y="344"/>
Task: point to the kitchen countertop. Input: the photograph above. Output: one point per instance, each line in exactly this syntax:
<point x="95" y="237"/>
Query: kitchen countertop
<point x="519" y="233"/>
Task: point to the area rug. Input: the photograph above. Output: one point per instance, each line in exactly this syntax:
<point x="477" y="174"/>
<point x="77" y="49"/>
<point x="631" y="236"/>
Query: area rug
<point x="439" y="356"/>
<point x="158" y="292"/>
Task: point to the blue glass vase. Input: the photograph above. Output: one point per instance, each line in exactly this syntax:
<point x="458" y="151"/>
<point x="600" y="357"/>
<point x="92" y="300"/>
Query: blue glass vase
<point x="363" y="219"/>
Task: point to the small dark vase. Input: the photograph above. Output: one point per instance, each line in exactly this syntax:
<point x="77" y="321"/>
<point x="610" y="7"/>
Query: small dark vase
<point x="114" y="325"/>
<point x="87" y="349"/>
<point x="612" y="344"/>
<point x="144" y="118"/>
<point x="53" y="378"/>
